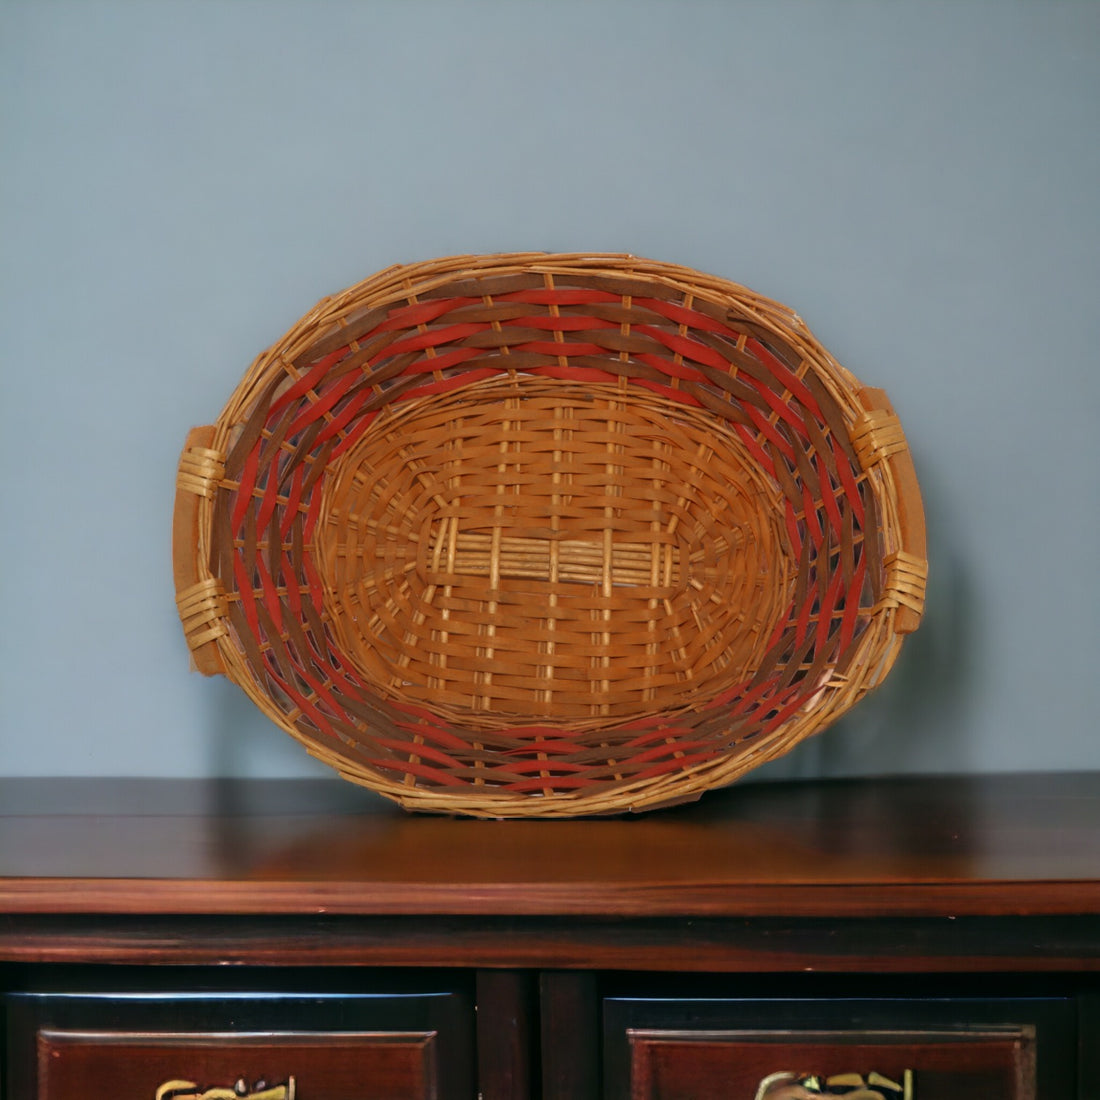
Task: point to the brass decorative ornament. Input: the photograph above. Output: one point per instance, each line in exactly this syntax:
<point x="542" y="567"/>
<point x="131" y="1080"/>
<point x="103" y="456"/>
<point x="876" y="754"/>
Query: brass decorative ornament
<point x="852" y="1086"/>
<point x="179" y="1089"/>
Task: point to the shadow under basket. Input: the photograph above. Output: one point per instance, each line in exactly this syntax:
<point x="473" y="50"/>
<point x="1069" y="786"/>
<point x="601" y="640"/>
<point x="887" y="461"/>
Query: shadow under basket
<point x="549" y="535"/>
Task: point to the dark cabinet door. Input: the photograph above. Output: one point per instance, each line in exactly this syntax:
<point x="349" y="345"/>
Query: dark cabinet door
<point x="183" y="1046"/>
<point x="959" y="1049"/>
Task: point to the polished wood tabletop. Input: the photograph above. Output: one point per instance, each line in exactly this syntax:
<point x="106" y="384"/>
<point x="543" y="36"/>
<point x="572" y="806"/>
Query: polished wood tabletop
<point x="937" y="846"/>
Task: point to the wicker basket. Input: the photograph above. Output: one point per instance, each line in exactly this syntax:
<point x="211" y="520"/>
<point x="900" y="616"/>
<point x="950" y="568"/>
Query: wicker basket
<point x="549" y="535"/>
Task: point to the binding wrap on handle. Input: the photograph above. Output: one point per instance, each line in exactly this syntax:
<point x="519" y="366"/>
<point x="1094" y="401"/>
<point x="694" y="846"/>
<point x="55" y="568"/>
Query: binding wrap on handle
<point x="878" y="437"/>
<point x="200" y="597"/>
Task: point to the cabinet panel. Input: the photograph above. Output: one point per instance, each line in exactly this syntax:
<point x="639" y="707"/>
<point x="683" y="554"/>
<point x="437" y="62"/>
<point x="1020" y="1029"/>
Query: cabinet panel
<point x="729" y="1049"/>
<point x="182" y="1046"/>
<point x="783" y="1065"/>
<point x="75" y="1065"/>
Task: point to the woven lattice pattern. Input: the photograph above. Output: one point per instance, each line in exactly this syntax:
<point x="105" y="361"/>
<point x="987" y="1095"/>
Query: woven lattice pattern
<point x="519" y="535"/>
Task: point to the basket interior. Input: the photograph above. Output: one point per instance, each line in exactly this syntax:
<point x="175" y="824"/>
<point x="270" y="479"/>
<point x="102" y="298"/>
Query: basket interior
<point x="527" y="550"/>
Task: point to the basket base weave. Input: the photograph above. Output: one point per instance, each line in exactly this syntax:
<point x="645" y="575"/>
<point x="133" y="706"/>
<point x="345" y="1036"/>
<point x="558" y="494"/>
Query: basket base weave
<point x="528" y="551"/>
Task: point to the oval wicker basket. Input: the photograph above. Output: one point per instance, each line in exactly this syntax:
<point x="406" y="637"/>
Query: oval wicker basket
<point x="549" y="535"/>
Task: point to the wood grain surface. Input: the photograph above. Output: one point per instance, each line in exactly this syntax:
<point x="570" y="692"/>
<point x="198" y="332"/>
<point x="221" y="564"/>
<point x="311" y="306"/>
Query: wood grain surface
<point x="951" y="847"/>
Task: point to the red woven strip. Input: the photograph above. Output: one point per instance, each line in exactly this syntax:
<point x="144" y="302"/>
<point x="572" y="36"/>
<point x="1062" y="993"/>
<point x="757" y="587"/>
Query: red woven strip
<point x="549" y="783"/>
<point x="436" y="733"/>
<point x="326" y="400"/>
<point x="313" y="581"/>
<point x="809" y="513"/>
<point x="557" y="746"/>
<point x="294" y="498"/>
<point x="448" y="359"/>
<point x="407" y="748"/>
<point x="574" y="374"/>
<point x="319" y="719"/>
<point x="681" y="315"/>
<point x="565" y="347"/>
<point x="793" y="533"/>
<point x="293" y="589"/>
<point x="749" y="438"/>
<point x="781" y="628"/>
<point x="671" y="368"/>
<point x="269" y="499"/>
<point x="325" y="693"/>
<point x="433" y="364"/>
<point x="270" y="594"/>
<point x="419" y="313"/>
<point x="434" y="775"/>
<point x="778" y="406"/>
<point x="753" y="698"/>
<point x="683" y="345"/>
<point x="852" y="602"/>
<point x="802" y="623"/>
<point x="664" y="749"/>
<point x="657" y="724"/>
<point x="433" y="338"/>
<point x="681" y="763"/>
<point x="826" y="614"/>
<point x="243" y="582"/>
<point x="308" y="381"/>
<point x="576" y="782"/>
<point x="355" y="432"/>
<point x="739" y="692"/>
<point x="413" y="711"/>
<point x="344" y="677"/>
<point x="767" y="429"/>
<point x="278" y="647"/>
<point x="786" y="376"/>
<point x="661" y="735"/>
<point x="532" y="732"/>
<point x="563" y="322"/>
<point x="678" y="396"/>
<point x="344" y="417"/>
<point x="524" y="767"/>
<point x="312" y="512"/>
<point x="447" y="384"/>
<point x="828" y="496"/>
<point x="848" y="481"/>
<point x="338" y="673"/>
<point x="244" y="491"/>
<point x="786" y="712"/>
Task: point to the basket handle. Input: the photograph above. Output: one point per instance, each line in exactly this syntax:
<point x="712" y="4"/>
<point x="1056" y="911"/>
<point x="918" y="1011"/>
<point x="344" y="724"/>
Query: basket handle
<point x="200" y="597"/>
<point x="878" y="436"/>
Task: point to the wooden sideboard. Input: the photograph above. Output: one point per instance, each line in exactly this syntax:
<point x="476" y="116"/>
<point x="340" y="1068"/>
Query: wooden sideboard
<point x="309" y="939"/>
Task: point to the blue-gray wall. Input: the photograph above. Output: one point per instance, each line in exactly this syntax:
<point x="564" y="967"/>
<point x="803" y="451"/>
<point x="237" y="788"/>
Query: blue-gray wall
<point x="180" y="181"/>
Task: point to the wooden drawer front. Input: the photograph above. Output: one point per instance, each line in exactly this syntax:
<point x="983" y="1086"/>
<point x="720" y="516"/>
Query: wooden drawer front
<point x="406" y="1048"/>
<point x="73" y="1065"/>
<point x="995" y="1065"/>
<point x="657" y="1049"/>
